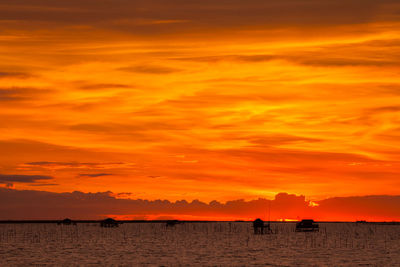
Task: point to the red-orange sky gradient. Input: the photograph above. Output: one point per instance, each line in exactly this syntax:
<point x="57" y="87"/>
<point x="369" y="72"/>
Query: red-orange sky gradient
<point x="201" y="100"/>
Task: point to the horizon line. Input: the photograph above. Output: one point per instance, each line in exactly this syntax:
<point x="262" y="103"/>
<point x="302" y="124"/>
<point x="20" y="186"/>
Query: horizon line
<point x="187" y="221"/>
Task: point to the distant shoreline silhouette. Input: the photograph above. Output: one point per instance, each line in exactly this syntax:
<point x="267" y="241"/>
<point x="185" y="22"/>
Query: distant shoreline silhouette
<point x="183" y="221"/>
<point x="109" y="223"/>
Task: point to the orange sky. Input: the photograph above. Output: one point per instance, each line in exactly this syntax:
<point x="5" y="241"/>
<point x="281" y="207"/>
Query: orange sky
<point x="209" y="100"/>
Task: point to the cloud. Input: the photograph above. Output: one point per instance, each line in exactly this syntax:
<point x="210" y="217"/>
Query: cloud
<point x="122" y="195"/>
<point x="241" y="165"/>
<point x="78" y="205"/>
<point x="181" y="16"/>
<point x="279" y="139"/>
<point x="35" y="153"/>
<point x="94" y="174"/>
<point x="19" y="75"/>
<point x="104" y="86"/>
<point x="149" y="69"/>
<point x="212" y="98"/>
<point x="21" y="93"/>
<point x="323" y="57"/>
<point x="237" y="58"/>
<point x="17" y="178"/>
<point x="9" y="95"/>
<point x="343" y="62"/>
<point x="383" y="109"/>
<point x="145" y="131"/>
<point x="44" y="184"/>
<point x="78" y="165"/>
<point x="154" y="176"/>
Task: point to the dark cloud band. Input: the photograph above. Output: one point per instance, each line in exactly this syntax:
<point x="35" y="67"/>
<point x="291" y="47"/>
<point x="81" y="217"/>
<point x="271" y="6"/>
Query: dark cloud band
<point x="15" y="178"/>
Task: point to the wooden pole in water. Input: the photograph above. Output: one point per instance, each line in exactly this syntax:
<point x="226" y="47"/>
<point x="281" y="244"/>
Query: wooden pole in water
<point x="269" y="213"/>
<point x="269" y="217"/>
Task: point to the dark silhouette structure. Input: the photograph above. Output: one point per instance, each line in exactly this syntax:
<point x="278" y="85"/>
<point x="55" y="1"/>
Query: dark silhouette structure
<point x="258" y="226"/>
<point x="109" y="222"/>
<point x="171" y="223"/>
<point x="66" y="221"/>
<point x="261" y="228"/>
<point x="307" y="226"/>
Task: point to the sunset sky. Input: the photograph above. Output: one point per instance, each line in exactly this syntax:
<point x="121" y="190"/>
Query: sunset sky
<point x="208" y="100"/>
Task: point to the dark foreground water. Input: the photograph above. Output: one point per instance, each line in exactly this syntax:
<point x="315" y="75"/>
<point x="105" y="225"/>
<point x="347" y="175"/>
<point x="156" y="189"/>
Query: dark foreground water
<point x="198" y="244"/>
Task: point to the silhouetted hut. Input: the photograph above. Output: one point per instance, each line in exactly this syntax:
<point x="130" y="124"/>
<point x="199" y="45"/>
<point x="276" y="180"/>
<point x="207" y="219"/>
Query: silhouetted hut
<point x="66" y="221"/>
<point x="362" y="221"/>
<point x="171" y="223"/>
<point x="307" y="226"/>
<point x="109" y="222"/>
<point x="258" y="226"/>
<point x="261" y="228"/>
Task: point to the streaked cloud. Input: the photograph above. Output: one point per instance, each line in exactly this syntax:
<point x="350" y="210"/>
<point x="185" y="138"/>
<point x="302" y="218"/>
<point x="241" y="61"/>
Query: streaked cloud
<point x="104" y="86"/>
<point x="94" y="174"/>
<point x="150" y="69"/>
<point x="21" y="93"/>
<point x="34" y="180"/>
<point x="75" y="165"/>
<point x="13" y="75"/>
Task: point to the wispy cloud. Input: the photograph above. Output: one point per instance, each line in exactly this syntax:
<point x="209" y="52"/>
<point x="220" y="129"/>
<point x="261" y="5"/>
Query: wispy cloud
<point x="104" y="86"/>
<point x="78" y="165"/>
<point x="35" y="180"/>
<point x="150" y="69"/>
<point x="21" y="93"/>
<point x="14" y="75"/>
<point x="44" y="184"/>
<point x="94" y="174"/>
